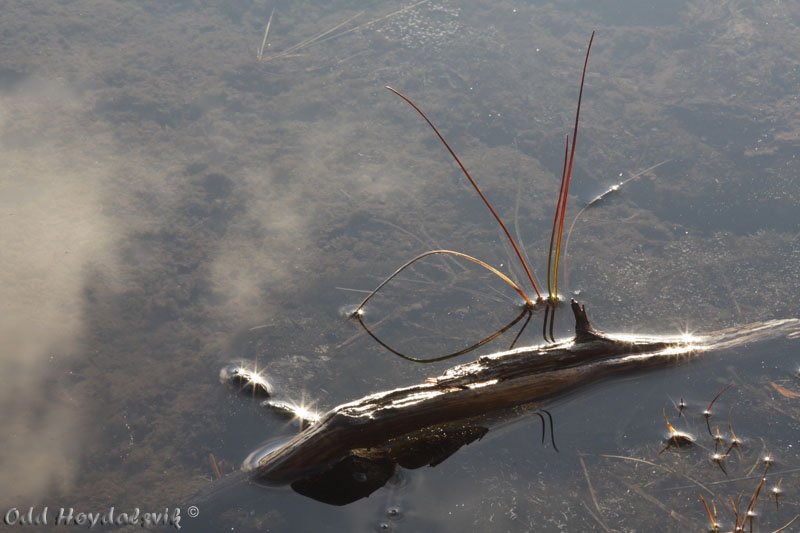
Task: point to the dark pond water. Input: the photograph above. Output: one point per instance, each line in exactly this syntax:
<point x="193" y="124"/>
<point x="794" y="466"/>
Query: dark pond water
<point x="171" y="203"/>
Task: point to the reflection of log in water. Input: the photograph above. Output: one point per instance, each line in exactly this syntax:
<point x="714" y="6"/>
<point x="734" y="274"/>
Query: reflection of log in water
<point x="361" y="442"/>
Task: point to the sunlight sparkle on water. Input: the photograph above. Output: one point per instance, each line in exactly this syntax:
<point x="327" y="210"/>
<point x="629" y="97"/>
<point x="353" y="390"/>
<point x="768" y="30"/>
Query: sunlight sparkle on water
<point x="303" y="413"/>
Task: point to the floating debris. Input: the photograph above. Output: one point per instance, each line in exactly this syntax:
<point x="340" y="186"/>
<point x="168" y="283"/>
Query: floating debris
<point x="247" y="378"/>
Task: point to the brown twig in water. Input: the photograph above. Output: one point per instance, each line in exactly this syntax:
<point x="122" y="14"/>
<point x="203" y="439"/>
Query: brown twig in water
<point x="792" y="521"/>
<point x="214" y="466"/>
<point x="597" y="518"/>
<point x="776" y="492"/>
<point x="671" y="512"/>
<point x="707" y="412"/>
<point x="681" y="406"/>
<point x="695" y="483"/>
<point x="711" y="518"/>
<point x="672" y="431"/>
<point x="751" y="507"/>
<point x="736" y="513"/>
<point x="592" y="493"/>
<point x="735" y="441"/>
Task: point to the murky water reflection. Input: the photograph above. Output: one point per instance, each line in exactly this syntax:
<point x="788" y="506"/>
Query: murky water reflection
<point x="171" y="204"/>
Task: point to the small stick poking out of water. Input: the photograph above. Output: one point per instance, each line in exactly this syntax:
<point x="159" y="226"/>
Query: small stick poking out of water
<point x="711" y="518"/>
<point x="214" y="465"/>
<point x="735" y="442"/>
<point x="776" y="492"/>
<point x="707" y="412"/>
<point x="677" y="438"/>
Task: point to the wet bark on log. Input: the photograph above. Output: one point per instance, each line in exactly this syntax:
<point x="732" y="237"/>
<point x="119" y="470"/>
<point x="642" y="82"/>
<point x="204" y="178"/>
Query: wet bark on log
<point x="490" y="383"/>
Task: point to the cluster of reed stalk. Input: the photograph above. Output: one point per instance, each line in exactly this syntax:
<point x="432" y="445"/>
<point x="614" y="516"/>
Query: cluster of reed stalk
<point x="744" y="516"/>
<point x="556" y="236"/>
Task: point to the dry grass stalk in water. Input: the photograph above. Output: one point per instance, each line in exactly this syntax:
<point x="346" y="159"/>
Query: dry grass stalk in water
<point x="266" y="34"/>
<point x="326" y="35"/>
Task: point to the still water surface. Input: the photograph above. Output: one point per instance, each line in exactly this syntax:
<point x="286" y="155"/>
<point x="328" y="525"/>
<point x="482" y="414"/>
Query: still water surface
<point x="171" y="203"/>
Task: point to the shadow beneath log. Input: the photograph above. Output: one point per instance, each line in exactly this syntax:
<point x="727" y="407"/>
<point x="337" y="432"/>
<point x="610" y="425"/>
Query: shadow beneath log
<point x="361" y="472"/>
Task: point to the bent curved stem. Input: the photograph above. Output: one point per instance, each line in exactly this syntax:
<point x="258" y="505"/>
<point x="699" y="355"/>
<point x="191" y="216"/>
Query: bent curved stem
<point x="490" y="338"/>
<point x="448" y="252"/>
<point x="475" y="185"/>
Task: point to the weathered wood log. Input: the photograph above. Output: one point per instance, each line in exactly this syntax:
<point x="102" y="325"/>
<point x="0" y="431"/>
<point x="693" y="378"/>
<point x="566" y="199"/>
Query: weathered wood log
<point x="359" y="428"/>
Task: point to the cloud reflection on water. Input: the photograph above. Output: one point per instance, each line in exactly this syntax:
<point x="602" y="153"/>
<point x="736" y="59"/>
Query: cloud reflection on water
<point x="54" y="231"/>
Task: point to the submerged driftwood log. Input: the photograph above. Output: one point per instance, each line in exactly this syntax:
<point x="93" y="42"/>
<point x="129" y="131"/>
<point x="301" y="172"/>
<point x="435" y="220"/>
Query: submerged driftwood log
<point x="418" y="425"/>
